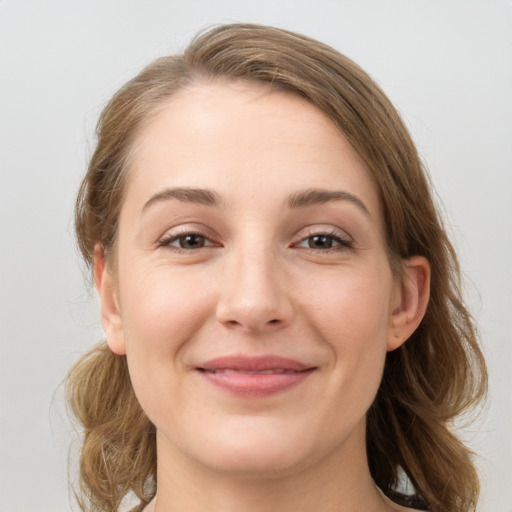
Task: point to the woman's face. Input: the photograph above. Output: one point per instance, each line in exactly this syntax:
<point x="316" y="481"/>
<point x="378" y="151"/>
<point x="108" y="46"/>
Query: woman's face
<point x="253" y="295"/>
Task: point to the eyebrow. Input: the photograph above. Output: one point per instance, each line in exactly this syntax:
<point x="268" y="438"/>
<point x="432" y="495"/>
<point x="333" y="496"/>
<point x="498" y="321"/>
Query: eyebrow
<point x="188" y="195"/>
<point x="300" y="199"/>
<point x="314" y="196"/>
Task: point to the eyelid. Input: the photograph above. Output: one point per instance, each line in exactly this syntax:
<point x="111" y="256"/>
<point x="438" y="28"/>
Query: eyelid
<point x="325" y="230"/>
<point x="343" y="239"/>
<point x="176" y="238"/>
<point x="173" y="234"/>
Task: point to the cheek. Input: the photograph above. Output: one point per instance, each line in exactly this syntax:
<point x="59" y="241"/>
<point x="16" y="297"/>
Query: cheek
<point x="355" y="304"/>
<point x="161" y="312"/>
<point x="353" y="315"/>
<point x="162" y="307"/>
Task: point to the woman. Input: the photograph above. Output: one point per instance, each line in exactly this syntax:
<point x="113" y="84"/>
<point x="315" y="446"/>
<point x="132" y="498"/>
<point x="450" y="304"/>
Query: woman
<point x="284" y="328"/>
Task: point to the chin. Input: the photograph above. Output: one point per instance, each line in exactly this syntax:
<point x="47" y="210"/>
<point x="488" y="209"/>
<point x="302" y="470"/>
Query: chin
<point x="264" y="448"/>
<point x="255" y="462"/>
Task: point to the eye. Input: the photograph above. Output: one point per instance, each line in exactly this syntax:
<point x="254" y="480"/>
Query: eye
<point x="186" y="241"/>
<point x="324" y="242"/>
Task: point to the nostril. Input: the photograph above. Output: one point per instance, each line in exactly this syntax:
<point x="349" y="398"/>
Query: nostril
<point x="274" y="321"/>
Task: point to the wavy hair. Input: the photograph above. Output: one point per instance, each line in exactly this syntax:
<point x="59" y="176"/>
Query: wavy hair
<point x="435" y="376"/>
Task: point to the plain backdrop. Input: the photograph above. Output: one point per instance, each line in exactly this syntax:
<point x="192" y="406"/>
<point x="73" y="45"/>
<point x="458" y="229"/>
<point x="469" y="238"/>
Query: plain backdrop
<point x="446" y="64"/>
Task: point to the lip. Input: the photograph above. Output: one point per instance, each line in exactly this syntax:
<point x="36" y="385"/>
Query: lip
<point x="255" y="376"/>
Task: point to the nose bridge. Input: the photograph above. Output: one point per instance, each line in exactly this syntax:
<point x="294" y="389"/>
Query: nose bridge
<point x="252" y="292"/>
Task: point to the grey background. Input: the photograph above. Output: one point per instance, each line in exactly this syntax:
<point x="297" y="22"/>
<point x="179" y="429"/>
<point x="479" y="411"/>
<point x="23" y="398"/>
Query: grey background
<point x="447" y="64"/>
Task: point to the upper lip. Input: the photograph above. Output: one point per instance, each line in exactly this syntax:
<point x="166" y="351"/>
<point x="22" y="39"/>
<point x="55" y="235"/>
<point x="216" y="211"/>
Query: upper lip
<point x="254" y="364"/>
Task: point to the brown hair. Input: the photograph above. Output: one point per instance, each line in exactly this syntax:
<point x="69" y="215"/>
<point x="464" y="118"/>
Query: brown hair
<point x="434" y="377"/>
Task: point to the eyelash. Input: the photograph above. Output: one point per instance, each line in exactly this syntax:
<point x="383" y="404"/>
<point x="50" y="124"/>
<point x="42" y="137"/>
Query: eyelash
<point x="168" y="240"/>
<point x="341" y="242"/>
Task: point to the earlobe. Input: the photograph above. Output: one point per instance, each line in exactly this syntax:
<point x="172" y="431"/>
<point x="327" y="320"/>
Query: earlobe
<point x="109" y="304"/>
<point x="411" y="300"/>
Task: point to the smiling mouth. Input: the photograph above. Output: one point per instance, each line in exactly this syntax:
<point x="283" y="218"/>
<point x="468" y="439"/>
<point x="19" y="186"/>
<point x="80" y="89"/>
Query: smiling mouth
<point x="276" y="371"/>
<point x="255" y="376"/>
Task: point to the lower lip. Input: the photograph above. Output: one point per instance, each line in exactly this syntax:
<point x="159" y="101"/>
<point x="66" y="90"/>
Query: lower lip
<point x="256" y="384"/>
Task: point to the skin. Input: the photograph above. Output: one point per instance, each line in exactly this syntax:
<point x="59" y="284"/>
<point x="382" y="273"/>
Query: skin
<point x="255" y="283"/>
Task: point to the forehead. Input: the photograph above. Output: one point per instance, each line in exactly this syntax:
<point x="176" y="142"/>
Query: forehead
<point x="244" y="138"/>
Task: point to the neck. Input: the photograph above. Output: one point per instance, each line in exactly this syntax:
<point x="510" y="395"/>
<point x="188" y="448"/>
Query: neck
<point x="329" y="485"/>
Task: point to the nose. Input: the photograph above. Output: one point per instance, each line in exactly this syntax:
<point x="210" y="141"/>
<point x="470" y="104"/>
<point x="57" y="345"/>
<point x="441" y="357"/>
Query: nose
<point x="254" y="294"/>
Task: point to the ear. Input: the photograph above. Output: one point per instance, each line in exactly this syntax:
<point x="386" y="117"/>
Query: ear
<point x="110" y="313"/>
<point x="410" y="301"/>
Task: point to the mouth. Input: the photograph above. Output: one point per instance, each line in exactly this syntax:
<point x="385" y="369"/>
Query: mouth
<point x="255" y="376"/>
